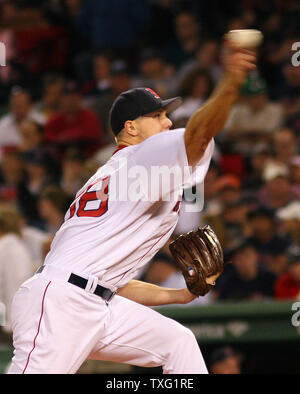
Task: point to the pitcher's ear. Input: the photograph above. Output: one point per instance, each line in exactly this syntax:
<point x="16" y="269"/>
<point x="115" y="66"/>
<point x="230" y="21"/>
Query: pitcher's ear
<point x="130" y="128"/>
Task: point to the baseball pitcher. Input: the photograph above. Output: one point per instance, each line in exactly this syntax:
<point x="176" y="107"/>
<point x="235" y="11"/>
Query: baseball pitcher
<point x="83" y="302"/>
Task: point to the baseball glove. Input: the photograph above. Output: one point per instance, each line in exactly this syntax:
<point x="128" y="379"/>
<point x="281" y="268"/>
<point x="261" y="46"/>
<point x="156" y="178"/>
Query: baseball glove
<point x="199" y="256"/>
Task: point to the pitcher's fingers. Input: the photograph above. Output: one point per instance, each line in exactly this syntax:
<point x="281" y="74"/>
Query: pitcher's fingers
<point x="244" y="56"/>
<point x="230" y="44"/>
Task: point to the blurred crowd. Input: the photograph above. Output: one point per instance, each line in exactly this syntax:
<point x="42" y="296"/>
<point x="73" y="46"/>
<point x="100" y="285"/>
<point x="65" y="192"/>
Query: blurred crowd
<point x="66" y="62"/>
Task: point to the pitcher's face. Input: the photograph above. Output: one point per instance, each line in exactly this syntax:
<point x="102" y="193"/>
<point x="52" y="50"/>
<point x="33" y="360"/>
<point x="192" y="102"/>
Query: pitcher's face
<point x="153" y="123"/>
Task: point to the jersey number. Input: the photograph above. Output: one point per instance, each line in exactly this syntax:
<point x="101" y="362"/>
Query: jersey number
<point x="86" y="196"/>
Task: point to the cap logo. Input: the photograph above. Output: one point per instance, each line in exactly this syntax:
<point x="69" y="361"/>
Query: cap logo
<point x="153" y="93"/>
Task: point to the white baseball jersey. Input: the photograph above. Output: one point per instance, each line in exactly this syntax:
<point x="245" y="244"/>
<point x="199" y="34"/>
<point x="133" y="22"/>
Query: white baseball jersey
<point x="123" y="216"/>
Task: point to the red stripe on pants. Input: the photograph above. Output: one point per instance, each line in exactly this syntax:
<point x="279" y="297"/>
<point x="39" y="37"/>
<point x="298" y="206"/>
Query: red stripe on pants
<point x="38" y="328"/>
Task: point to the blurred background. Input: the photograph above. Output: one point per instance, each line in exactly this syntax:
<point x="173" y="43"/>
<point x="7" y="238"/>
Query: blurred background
<point x="66" y="62"/>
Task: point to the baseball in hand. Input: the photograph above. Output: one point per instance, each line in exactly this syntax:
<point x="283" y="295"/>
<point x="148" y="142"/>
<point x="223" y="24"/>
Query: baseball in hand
<point x="246" y="38"/>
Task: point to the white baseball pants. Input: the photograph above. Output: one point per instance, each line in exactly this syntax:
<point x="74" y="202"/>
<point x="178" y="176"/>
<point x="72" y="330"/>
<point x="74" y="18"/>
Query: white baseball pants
<point x="57" y="326"/>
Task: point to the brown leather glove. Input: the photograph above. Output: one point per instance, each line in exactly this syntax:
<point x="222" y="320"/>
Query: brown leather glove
<point x="199" y="256"/>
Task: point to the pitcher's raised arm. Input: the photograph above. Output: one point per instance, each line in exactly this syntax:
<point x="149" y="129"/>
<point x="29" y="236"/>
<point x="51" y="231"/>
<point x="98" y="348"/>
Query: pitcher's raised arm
<point x="209" y="120"/>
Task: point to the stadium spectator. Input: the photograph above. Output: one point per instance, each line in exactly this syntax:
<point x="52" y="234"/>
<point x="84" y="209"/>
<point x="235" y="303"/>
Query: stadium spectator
<point x="261" y="230"/>
<point x="260" y="155"/>
<point x="38" y="174"/>
<point x="228" y="222"/>
<point x="236" y="218"/>
<point x="223" y="213"/>
<point x="33" y="141"/>
<point x="52" y="206"/>
<point x="287" y="286"/>
<point x="11" y="174"/>
<point x="225" y="360"/>
<point x="34" y="239"/>
<point x="73" y="125"/>
<point x="100" y="83"/>
<point x="15" y="261"/>
<point x="247" y="279"/>
<point x="20" y="108"/>
<point x="154" y="73"/>
<point x="285" y="145"/>
<point x="187" y="42"/>
<point x="290" y="221"/>
<point x="206" y="59"/>
<point x="31" y="135"/>
<point x="288" y="88"/>
<point x="120" y="81"/>
<point x="195" y="89"/>
<point x="277" y="190"/>
<point x="52" y="91"/>
<point x="255" y="118"/>
<point x="216" y="183"/>
<point x="229" y="189"/>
